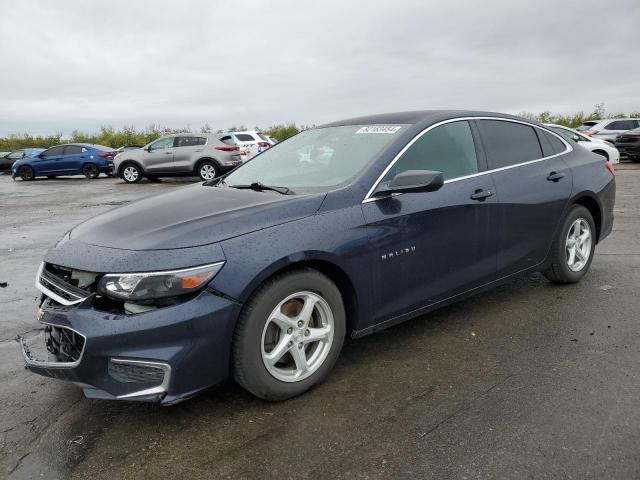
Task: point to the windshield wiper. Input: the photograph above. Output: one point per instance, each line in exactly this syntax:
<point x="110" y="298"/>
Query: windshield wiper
<point x="258" y="187"/>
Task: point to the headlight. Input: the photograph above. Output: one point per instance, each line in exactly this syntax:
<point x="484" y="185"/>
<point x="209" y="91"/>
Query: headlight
<point x="151" y="285"/>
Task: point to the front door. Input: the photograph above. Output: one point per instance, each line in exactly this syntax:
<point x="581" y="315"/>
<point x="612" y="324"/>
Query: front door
<point x="432" y="245"/>
<point x="48" y="162"/>
<point x="159" y="156"/>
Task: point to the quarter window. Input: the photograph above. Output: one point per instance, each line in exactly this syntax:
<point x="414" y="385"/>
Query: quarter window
<point x="448" y="148"/>
<point x="190" y="141"/>
<point x="551" y="145"/>
<point x="509" y="143"/>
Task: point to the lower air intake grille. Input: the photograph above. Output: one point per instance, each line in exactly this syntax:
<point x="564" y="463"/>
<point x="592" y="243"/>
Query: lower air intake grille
<point x="123" y="371"/>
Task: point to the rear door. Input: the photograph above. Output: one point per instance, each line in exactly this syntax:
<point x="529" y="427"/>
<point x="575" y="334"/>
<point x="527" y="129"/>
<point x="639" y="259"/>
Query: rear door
<point x="159" y="157"/>
<point x="72" y="159"/>
<point x="187" y="149"/>
<point x="432" y="245"/>
<point x="533" y="186"/>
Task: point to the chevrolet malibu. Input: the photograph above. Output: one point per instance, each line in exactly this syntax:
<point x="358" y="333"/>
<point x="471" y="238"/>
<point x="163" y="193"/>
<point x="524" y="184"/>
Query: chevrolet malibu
<point x="342" y="230"/>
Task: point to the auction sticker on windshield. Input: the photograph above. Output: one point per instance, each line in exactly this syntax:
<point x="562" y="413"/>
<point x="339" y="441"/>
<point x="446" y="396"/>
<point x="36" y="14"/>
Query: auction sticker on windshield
<point x="379" y="129"/>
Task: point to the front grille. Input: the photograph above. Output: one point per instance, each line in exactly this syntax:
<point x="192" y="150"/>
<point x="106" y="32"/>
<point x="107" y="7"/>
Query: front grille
<point x="64" y="285"/>
<point x="64" y="344"/>
<point x="627" y="139"/>
<point x="136" y="372"/>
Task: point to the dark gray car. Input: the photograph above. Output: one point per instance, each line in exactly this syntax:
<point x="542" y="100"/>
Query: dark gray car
<point x="201" y="154"/>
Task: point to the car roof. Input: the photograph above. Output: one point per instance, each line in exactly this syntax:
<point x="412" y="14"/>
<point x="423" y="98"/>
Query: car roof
<point x="418" y="117"/>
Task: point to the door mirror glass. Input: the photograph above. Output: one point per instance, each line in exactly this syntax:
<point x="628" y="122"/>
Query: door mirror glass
<point x="576" y="138"/>
<point x="411" y="181"/>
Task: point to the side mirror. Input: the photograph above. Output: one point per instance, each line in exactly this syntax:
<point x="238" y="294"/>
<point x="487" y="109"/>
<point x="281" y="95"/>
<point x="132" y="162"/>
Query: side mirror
<point x="577" y="138"/>
<point x="148" y="149"/>
<point x="412" y="181"/>
<point x="41" y="155"/>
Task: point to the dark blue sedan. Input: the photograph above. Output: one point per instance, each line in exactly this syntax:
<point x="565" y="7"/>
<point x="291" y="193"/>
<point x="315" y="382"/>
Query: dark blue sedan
<point x="341" y="230"/>
<point x="70" y="159"/>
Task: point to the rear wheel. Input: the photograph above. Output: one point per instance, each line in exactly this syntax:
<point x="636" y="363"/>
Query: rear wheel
<point x="90" y="170"/>
<point x="572" y="251"/>
<point x="289" y="335"/>
<point x="208" y="170"/>
<point x="26" y="173"/>
<point x="131" y="173"/>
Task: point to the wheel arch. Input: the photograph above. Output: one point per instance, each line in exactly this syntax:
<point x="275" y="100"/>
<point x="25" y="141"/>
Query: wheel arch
<point x="591" y="203"/>
<point x="124" y="163"/>
<point x="205" y="159"/>
<point x="325" y="266"/>
<point x="599" y="151"/>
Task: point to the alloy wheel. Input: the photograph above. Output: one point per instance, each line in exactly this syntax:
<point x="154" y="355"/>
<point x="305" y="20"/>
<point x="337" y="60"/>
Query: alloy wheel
<point x="130" y="173"/>
<point x="578" y="244"/>
<point x="297" y="336"/>
<point x="207" y="172"/>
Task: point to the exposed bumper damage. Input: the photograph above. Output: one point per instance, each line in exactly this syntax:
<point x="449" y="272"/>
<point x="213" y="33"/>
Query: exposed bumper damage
<point x="163" y="354"/>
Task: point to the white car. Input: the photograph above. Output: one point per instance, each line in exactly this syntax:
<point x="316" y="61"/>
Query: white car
<point x="596" y="145"/>
<point x="608" y="129"/>
<point x="251" y="142"/>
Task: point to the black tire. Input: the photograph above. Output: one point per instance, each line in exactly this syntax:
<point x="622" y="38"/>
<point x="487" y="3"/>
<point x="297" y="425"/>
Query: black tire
<point x="206" y="168"/>
<point x="559" y="270"/>
<point x="248" y="366"/>
<point x="26" y="173"/>
<point x="131" y="173"/>
<point x="90" y="170"/>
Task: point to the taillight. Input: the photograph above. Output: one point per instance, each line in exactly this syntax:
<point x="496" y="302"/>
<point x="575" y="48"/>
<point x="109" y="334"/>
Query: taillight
<point x="107" y="155"/>
<point x="609" y="167"/>
<point x="264" y="144"/>
<point x="228" y="149"/>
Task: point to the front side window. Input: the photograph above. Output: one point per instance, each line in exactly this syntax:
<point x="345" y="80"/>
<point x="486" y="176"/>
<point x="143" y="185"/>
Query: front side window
<point x="509" y="143"/>
<point x="317" y="160"/>
<point x="162" y="143"/>
<point x="448" y="148"/>
<point x="53" y="151"/>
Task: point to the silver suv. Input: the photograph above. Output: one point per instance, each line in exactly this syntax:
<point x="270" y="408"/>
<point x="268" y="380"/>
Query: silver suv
<point x="201" y="154"/>
<point x="608" y="129"/>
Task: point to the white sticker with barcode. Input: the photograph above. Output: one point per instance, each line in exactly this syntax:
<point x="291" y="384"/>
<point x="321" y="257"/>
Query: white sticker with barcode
<point x="379" y="129"/>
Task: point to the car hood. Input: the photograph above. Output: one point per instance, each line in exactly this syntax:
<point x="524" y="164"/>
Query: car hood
<point x="193" y="216"/>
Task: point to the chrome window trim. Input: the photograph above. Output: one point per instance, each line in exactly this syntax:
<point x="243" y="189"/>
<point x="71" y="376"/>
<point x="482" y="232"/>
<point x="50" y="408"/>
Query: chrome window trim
<point x="569" y="148"/>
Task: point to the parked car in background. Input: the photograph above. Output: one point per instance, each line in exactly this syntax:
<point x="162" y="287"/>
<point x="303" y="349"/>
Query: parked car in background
<point x="184" y="154"/>
<point x="609" y="129"/>
<point x="628" y="144"/>
<point x="587" y="124"/>
<point x="263" y="274"/>
<point x="595" y="145"/>
<point x="250" y="142"/>
<point x="7" y="160"/>
<point x="69" y="159"/>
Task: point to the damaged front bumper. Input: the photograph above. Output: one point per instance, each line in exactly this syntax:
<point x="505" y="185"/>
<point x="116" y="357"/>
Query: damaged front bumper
<point x="164" y="355"/>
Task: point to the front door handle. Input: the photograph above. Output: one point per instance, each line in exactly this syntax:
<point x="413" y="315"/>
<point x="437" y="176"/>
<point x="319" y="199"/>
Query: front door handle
<point x="555" y="176"/>
<point x="481" y="195"/>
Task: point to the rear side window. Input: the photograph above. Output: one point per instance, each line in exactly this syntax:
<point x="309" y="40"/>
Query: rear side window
<point x="74" y="150"/>
<point x="190" y="141"/>
<point x="621" y="125"/>
<point x="448" y="148"/>
<point x="54" y="151"/>
<point x="509" y="143"/>
<point x="245" y="137"/>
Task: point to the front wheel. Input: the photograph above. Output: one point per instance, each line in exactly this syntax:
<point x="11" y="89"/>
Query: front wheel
<point x="572" y="251"/>
<point x="26" y="173"/>
<point x="289" y="335"/>
<point x="90" y="170"/>
<point x="131" y="173"/>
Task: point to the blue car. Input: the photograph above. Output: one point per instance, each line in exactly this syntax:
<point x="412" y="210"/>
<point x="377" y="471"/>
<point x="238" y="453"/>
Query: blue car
<point x="342" y="230"/>
<point x="69" y="159"/>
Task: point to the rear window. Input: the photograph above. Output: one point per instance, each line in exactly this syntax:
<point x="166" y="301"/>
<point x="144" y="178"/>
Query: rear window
<point x="509" y="143"/>
<point x="244" y="137"/>
<point x="263" y="137"/>
<point x="586" y="125"/>
<point x="227" y="140"/>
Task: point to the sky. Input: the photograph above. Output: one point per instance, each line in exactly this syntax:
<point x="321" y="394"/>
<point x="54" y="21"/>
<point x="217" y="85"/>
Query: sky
<point x="70" y="64"/>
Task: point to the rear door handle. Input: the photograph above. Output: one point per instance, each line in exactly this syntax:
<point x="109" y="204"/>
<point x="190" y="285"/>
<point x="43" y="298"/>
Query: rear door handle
<point x="555" y="176"/>
<point x="481" y="195"/>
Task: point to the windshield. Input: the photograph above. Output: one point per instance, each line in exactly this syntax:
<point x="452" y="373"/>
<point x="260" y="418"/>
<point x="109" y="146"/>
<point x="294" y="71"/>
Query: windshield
<point x="318" y="159"/>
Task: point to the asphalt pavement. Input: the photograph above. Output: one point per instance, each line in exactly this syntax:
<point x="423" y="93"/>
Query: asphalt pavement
<point x="530" y="380"/>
